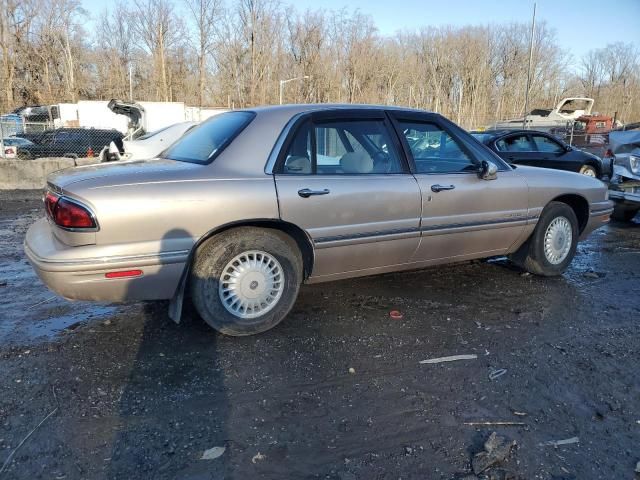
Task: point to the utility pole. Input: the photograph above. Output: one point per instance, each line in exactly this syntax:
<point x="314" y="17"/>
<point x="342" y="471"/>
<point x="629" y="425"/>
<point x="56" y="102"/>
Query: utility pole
<point x="283" y="82"/>
<point x="130" y="82"/>
<point x="526" y="93"/>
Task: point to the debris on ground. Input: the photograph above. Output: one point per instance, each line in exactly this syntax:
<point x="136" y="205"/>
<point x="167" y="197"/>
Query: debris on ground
<point x="501" y="424"/>
<point x="452" y="358"/>
<point x="557" y="443"/>
<point x="497" y="449"/>
<point x="352" y="370"/>
<point x="23" y="441"/>
<point x="258" y="457"/>
<point x="213" y="453"/>
<point x="497" y="373"/>
<point x="396" y="315"/>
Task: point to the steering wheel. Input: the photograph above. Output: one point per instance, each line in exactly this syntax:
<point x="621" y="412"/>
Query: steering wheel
<point x="382" y="162"/>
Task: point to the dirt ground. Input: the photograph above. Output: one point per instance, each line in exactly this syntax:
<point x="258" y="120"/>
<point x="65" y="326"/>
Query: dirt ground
<point x="125" y="393"/>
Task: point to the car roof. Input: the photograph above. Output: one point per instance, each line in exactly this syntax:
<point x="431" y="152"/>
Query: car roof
<point x="294" y="109"/>
<point x="506" y="131"/>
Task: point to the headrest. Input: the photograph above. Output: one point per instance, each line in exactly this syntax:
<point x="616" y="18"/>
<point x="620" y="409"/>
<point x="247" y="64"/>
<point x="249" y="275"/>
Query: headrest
<point x="356" y="162"/>
<point x="298" y="165"/>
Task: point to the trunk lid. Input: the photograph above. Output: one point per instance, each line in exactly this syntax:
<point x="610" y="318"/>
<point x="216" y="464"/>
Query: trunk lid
<point x="119" y="173"/>
<point x="134" y="111"/>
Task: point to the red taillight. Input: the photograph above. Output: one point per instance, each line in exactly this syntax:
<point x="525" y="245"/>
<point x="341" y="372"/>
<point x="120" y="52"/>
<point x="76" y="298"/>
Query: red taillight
<point x="50" y="201"/>
<point x="123" y="274"/>
<point x="67" y="213"/>
<point x="71" y="215"/>
<point x="608" y="153"/>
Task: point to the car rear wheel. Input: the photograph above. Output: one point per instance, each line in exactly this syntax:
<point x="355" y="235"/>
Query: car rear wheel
<point x="552" y="245"/>
<point x="588" y="170"/>
<point x="246" y="280"/>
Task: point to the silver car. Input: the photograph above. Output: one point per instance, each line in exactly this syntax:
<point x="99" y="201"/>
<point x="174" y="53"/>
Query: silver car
<point x="252" y="203"/>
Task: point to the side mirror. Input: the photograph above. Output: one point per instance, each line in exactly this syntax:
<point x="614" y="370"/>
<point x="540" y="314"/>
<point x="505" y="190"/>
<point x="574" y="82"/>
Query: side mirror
<point x="488" y="170"/>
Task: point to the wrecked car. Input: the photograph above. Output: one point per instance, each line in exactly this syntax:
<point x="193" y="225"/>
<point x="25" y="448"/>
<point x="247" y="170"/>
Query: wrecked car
<point x="541" y="149"/>
<point x="567" y="110"/>
<point x="148" y="145"/>
<point x="624" y="188"/>
<point x="248" y="205"/>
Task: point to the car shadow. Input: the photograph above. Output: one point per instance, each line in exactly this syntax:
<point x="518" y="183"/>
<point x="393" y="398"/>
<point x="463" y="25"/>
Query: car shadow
<point x="173" y="404"/>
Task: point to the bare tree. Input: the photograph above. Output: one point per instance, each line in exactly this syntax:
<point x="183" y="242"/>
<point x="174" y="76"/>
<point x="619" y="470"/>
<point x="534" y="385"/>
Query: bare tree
<point x="206" y="16"/>
<point x="158" y="28"/>
<point x="236" y="53"/>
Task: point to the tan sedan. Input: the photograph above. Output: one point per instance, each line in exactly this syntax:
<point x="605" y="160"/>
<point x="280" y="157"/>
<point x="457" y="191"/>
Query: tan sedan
<point x="251" y="203"/>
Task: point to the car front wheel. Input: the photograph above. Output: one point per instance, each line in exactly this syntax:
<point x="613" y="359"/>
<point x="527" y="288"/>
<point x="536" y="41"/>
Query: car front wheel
<point x="552" y="245"/>
<point x="246" y="280"/>
<point x="588" y="170"/>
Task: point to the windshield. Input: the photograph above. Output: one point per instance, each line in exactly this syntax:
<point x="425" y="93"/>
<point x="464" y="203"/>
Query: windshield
<point x="151" y="134"/>
<point x="208" y="140"/>
<point x="482" y="137"/>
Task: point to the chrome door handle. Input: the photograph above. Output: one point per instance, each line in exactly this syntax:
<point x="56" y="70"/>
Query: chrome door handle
<point x="306" y="192"/>
<point x="438" y="188"/>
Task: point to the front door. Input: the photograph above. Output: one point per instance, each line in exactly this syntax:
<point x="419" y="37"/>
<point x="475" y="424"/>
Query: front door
<point x="553" y="154"/>
<point x="518" y="148"/>
<point x="463" y="216"/>
<point x="341" y="178"/>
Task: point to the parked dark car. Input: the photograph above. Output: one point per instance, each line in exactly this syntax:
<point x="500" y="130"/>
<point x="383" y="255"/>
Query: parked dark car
<point x="70" y="142"/>
<point x="541" y="149"/>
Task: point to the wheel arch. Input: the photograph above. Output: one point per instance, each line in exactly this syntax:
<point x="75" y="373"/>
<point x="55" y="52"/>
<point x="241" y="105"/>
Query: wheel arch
<point x="302" y="239"/>
<point x="579" y="205"/>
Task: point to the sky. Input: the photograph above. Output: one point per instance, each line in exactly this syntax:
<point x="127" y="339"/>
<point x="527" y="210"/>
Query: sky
<point x="581" y="25"/>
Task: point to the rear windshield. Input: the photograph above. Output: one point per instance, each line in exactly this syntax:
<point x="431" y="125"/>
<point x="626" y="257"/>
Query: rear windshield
<point x="205" y="142"/>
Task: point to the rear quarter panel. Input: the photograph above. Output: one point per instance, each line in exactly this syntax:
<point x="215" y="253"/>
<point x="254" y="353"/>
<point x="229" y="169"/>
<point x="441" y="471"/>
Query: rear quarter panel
<point x="172" y="215"/>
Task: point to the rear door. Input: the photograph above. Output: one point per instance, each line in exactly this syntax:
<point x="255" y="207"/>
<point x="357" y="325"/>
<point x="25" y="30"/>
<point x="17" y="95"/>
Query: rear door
<point x="463" y="216"/>
<point x="342" y="178"/>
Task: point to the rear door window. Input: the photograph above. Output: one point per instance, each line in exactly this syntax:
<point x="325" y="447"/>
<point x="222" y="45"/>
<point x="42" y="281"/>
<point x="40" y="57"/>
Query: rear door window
<point x="342" y="147"/>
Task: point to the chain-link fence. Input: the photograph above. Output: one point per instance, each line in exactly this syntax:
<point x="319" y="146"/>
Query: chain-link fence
<point x="87" y="128"/>
<point x="31" y="140"/>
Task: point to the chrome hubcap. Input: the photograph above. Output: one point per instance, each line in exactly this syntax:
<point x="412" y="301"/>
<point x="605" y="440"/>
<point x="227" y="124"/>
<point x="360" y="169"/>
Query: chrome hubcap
<point x="557" y="240"/>
<point x="588" y="172"/>
<point x="251" y="284"/>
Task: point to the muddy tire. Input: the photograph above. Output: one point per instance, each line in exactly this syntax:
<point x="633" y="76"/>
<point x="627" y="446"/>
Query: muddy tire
<point x="624" y="214"/>
<point x="552" y="245"/>
<point x="245" y="281"/>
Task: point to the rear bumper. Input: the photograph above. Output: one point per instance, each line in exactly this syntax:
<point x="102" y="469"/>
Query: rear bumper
<point x="84" y="278"/>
